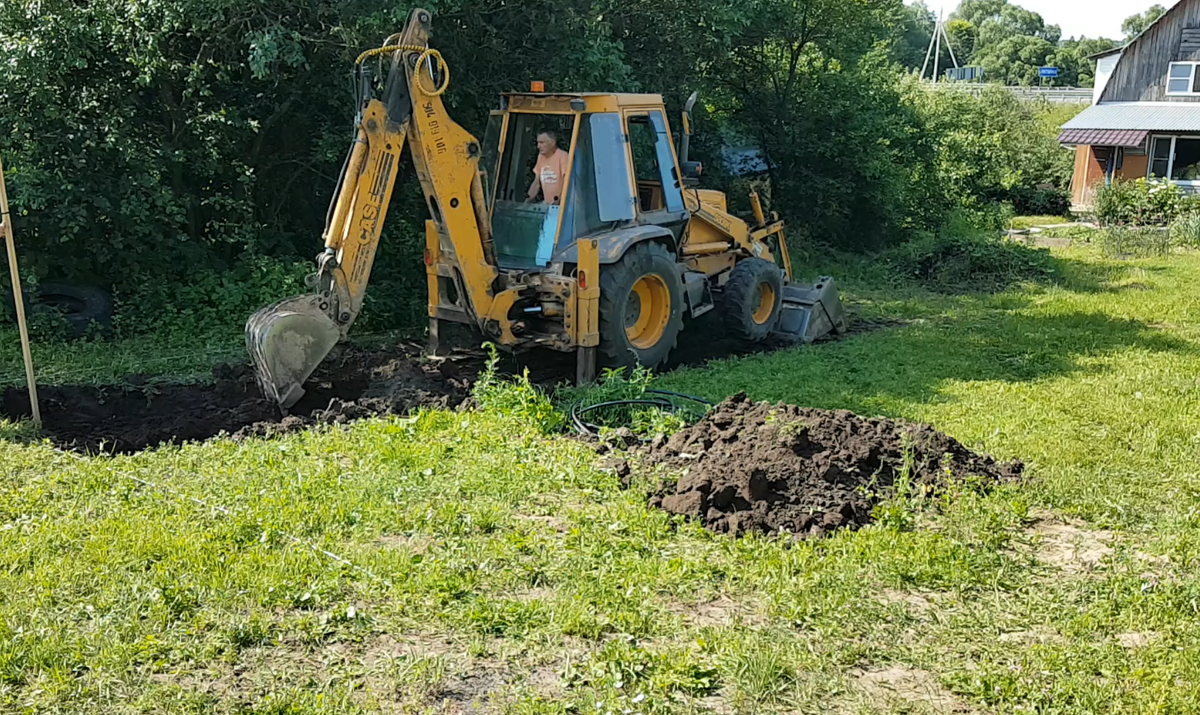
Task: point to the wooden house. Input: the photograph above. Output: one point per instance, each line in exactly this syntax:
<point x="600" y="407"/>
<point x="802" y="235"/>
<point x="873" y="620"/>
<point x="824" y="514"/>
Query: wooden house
<point x="1145" y="116"/>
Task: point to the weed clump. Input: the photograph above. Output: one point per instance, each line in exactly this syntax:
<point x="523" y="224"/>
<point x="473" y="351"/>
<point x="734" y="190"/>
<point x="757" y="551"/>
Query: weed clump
<point x="515" y="397"/>
<point x="963" y="258"/>
<point x="1134" y="241"/>
<point x="625" y="404"/>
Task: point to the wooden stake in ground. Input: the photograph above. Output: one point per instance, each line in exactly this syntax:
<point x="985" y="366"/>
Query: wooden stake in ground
<point x="18" y="297"/>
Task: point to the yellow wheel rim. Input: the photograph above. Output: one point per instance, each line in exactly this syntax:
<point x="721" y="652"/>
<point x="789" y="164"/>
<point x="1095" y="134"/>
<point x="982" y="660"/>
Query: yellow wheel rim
<point x="648" y="311"/>
<point x="766" y="304"/>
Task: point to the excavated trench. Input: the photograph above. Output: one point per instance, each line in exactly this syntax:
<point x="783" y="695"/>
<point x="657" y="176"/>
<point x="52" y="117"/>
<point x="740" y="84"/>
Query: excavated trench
<point x="353" y="383"/>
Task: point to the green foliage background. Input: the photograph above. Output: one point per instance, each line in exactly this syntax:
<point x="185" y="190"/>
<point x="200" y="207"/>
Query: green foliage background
<point x="183" y="152"/>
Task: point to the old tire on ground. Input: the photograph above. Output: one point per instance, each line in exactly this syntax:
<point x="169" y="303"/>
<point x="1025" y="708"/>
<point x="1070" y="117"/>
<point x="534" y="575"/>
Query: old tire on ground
<point x="641" y="307"/>
<point x="752" y="298"/>
<point x="79" y="306"/>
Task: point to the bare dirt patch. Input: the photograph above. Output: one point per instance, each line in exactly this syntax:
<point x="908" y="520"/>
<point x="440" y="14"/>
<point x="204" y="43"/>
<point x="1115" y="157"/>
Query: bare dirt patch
<point x="921" y="603"/>
<point x="721" y="611"/>
<point x="902" y="689"/>
<point x="1136" y="639"/>
<point x="1069" y="545"/>
<point x="534" y="593"/>
<point x="759" y="467"/>
<point x="1040" y="635"/>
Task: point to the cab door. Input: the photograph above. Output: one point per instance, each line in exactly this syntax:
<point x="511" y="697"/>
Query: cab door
<point x="652" y="161"/>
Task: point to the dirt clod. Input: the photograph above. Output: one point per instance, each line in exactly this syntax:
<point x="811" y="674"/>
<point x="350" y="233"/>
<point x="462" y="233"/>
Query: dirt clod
<point x="758" y="467"/>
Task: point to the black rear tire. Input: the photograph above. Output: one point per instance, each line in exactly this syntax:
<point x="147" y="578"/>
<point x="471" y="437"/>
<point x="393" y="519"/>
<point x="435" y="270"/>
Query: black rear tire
<point x="632" y="333"/>
<point x="751" y="300"/>
<point x="79" y="306"/>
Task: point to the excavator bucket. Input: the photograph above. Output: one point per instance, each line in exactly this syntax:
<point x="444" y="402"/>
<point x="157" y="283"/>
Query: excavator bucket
<point x="811" y="311"/>
<point x="286" y="341"/>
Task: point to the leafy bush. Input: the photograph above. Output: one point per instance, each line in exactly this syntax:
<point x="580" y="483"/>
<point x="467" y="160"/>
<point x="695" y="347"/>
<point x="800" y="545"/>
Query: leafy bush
<point x="963" y="258"/>
<point x="994" y="148"/>
<point x="211" y="300"/>
<point x="1035" y="201"/>
<point x="1185" y="230"/>
<point x="1141" y="202"/>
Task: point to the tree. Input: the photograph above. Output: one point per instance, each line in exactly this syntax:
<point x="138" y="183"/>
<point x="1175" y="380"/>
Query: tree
<point x="1014" y="21"/>
<point x="977" y="11"/>
<point x="1135" y="25"/>
<point x="963" y="36"/>
<point x="1075" y="69"/>
<point x="805" y="80"/>
<point x="1015" y="60"/>
<point x="1007" y="41"/>
<point x="913" y="35"/>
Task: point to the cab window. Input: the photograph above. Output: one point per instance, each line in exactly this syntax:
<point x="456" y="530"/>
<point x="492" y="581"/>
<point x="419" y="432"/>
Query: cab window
<point x="525" y="233"/>
<point x="600" y="193"/>
<point x="654" y="163"/>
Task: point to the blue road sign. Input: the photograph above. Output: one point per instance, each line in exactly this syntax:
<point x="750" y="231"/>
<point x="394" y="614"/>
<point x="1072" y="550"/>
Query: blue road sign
<point x="1048" y="72"/>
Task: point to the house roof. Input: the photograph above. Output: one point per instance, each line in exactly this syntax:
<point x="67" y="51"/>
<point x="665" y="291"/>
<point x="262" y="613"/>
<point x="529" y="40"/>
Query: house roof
<point x="1149" y="116"/>
<point x="1104" y="137"/>
<point x="1106" y="53"/>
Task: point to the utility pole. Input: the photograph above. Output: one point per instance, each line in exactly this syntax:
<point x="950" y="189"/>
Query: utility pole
<point x="935" y="48"/>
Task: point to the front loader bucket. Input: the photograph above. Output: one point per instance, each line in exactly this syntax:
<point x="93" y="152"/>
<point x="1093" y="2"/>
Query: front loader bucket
<point x="287" y="341"/>
<point x="810" y="311"/>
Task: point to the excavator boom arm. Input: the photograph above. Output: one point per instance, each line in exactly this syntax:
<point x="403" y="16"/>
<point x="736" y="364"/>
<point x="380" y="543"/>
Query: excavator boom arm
<point x="289" y="339"/>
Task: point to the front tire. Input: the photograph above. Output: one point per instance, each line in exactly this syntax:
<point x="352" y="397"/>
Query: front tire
<point x="752" y="298"/>
<point x="641" y="307"/>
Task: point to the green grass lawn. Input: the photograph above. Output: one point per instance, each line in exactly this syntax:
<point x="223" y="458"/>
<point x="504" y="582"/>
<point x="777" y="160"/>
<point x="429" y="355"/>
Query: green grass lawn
<point x="482" y="566"/>
<point x="1023" y="222"/>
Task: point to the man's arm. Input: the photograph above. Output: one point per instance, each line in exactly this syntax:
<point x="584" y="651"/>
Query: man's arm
<point x="534" y="188"/>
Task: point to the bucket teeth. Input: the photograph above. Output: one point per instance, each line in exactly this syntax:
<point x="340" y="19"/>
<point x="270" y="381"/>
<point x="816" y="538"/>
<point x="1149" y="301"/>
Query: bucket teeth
<point x="287" y="341"/>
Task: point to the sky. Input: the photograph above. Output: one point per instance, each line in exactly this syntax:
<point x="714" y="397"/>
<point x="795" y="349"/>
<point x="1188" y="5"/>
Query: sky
<point x="1090" y="18"/>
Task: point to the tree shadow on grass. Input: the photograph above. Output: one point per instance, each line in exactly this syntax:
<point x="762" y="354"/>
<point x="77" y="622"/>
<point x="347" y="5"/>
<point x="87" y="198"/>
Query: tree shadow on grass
<point x="874" y="372"/>
<point x="1096" y="277"/>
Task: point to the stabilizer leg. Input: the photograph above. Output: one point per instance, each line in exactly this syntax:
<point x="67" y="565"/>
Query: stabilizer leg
<point x="585" y="366"/>
<point x="435" y="339"/>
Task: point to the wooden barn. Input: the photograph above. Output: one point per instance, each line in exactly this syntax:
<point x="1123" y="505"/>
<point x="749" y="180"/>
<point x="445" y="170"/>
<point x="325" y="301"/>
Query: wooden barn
<point x="1145" y="116"/>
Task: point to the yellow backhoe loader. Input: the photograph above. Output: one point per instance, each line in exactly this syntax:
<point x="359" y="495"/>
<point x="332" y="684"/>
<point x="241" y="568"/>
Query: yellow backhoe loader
<point x="610" y="270"/>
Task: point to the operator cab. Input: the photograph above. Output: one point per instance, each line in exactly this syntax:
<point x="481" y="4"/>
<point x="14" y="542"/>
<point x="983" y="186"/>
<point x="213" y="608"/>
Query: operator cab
<point x="623" y="171"/>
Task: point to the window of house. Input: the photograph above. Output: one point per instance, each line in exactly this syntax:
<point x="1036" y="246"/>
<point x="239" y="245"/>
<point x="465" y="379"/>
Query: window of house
<point x="1185" y="166"/>
<point x="1176" y="158"/>
<point x="1160" y="158"/>
<point x="1182" y="78"/>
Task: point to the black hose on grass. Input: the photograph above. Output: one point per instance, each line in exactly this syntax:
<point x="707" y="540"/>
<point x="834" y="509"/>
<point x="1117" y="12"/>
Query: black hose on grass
<point x="578" y="410"/>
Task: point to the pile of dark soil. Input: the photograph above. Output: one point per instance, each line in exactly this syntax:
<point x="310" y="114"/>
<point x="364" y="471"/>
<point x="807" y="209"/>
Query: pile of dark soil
<point x="352" y="384"/>
<point x="759" y="467"/>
